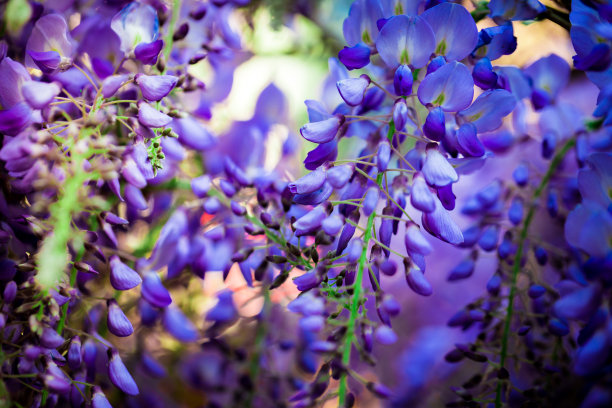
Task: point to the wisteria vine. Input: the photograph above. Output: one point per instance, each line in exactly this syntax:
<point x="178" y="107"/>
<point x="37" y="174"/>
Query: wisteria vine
<point x="154" y="252"/>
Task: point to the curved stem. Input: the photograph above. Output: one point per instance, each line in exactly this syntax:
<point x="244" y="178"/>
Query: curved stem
<point x="356" y="299"/>
<point x="517" y="260"/>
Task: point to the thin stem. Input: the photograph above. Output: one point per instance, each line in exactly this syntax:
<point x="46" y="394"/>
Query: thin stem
<point x="356" y="300"/>
<point x="517" y="261"/>
<point x="176" y="10"/>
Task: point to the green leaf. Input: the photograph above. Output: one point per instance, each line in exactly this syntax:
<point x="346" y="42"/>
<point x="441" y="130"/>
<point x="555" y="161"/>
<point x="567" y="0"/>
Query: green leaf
<point x="18" y="13"/>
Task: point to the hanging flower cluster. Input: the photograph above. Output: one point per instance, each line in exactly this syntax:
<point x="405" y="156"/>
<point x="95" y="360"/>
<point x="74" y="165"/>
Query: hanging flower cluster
<point x="119" y="202"/>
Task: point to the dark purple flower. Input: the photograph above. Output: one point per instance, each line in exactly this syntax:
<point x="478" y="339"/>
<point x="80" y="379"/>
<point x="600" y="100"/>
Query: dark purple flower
<point x="435" y="124"/>
<point x="355" y="57"/>
<point x="417" y="282"/>
<point x="15" y="119"/>
<point x="402" y="80"/>
<point x="178" y="325"/>
<point x="123" y="277"/>
<point x="147" y="52"/>
<point x="154" y="292"/>
<point x="117" y="322"/>
<point x="463" y="270"/>
<point x="224" y="311"/>
<point x="56" y="380"/>
<point x="50" y="338"/>
<point x="468" y="143"/>
<point x="119" y="374"/>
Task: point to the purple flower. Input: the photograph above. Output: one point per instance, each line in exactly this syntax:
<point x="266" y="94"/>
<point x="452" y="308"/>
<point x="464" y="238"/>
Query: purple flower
<point x="421" y="196"/>
<point x="74" y="353"/>
<point x="111" y="84"/>
<point x="435" y="124"/>
<point x="224" y="311"/>
<point x="439" y="224"/>
<point x="123" y="277"/>
<point x="307" y="281"/>
<point x="155" y="87"/>
<point x="118" y="323"/>
<point x="193" y="135"/>
<point x="338" y="176"/>
<point x="355" y="57"/>
<point x="39" y="94"/>
<point x="400" y="115"/>
<point x="332" y="224"/>
<point x="402" y="80"/>
<point x="370" y="200"/>
<point x="415" y="241"/>
<point x="131" y="173"/>
<point x="135" y="198"/>
<point x="309" y="183"/>
<point x="136" y="23"/>
<point x="49" y="44"/>
<point x="154" y="292"/>
<point x="56" y="380"/>
<point x="311" y="220"/>
<point x="151" y="117"/>
<point x="463" y="270"/>
<point x="119" y="374"/>
<point x="99" y="400"/>
<point x="353" y="90"/>
<point x="468" y="143"/>
<point x="488" y="110"/>
<point x="437" y="170"/>
<point x="515" y="213"/>
<point x="147" y="52"/>
<point x="516" y="9"/>
<point x="579" y="304"/>
<point x="406" y="40"/>
<point x="454" y="29"/>
<point x="483" y="74"/>
<point x="178" y="325"/>
<point x="200" y="185"/>
<point x="451" y="87"/>
<point x="323" y="131"/>
<point x="15" y="119"/>
<point x="385" y="335"/>
<point x="50" y="338"/>
<point x="417" y="282"/>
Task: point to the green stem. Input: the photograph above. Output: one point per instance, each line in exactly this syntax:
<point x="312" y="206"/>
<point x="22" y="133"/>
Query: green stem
<point x="176" y="10"/>
<point x="555" y="162"/>
<point x="73" y="276"/>
<point x="357" y="287"/>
